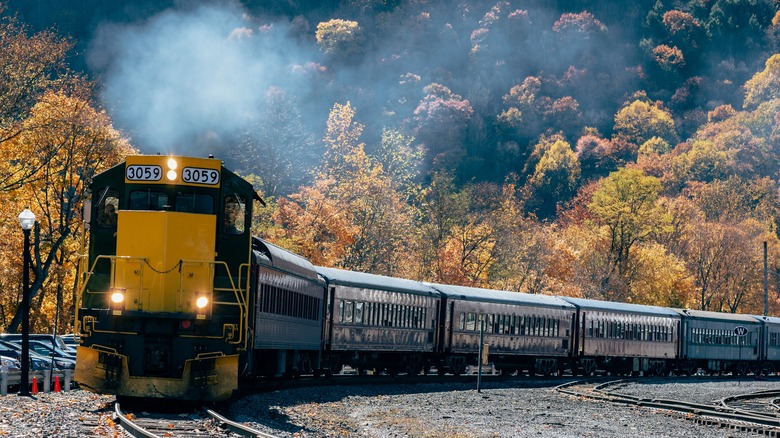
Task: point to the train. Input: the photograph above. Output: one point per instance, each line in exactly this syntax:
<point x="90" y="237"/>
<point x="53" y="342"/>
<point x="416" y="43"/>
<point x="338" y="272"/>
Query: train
<point x="178" y="300"/>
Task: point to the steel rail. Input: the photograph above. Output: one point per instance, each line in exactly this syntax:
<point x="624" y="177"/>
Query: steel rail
<point x="238" y="428"/>
<point x="714" y="411"/>
<point x="129" y="426"/>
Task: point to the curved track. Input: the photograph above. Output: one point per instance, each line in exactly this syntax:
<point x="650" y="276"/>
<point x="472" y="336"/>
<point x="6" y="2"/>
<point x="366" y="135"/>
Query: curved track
<point x="201" y="424"/>
<point x="743" y="418"/>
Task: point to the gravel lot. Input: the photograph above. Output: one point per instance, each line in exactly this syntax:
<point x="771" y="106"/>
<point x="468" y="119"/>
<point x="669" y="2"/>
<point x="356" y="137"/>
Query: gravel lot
<point x="521" y="409"/>
<point x="527" y="408"/>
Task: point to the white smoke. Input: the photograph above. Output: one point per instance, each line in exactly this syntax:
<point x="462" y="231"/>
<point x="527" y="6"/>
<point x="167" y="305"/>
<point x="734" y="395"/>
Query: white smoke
<point x="181" y="80"/>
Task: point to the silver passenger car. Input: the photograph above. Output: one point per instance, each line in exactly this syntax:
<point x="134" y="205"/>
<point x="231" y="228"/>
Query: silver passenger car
<point x="288" y="310"/>
<point x="718" y="342"/>
<point x="522" y="331"/>
<point x="624" y="338"/>
<point x="378" y="323"/>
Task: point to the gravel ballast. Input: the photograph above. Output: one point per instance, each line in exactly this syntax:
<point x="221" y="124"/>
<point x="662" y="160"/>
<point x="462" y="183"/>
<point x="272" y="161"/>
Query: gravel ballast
<point x="524" y="408"/>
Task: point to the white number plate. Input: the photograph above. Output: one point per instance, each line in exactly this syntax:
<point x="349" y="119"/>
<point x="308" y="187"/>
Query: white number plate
<point x="197" y="175"/>
<point x="143" y="173"/>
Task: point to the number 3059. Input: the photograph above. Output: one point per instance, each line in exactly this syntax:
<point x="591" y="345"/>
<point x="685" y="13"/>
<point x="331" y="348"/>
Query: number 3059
<point x="200" y="176"/>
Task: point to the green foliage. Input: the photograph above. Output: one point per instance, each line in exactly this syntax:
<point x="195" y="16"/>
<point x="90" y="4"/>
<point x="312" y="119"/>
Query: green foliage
<point x="764" y="85"/>
<point x="640" y="121"/>
<point x="555" y="178"/>
<point x="627" y="211"/>
<point x="655" y="145"/>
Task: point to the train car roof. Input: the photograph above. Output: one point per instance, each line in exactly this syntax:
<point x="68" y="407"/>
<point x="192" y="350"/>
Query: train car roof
<point x="769" y="319"/>
<point x="374" y="281"/>
<point x="585" y="303"/>
<point x="268" y="254"/>
<point x="705" y="314"/>
<point x="499" y="296"/>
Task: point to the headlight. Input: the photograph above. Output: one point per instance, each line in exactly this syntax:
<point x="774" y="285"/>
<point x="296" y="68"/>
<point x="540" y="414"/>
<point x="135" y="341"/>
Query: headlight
<point x="117" y="297"/>
<point x="202" y="302"/>
<point x="172" y="174"/>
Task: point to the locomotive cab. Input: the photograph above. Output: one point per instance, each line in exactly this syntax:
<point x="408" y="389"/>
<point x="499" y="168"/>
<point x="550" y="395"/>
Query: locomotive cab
<point x="165" y="282"/>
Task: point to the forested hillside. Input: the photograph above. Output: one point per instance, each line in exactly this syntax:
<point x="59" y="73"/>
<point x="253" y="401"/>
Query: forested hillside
<point x="607" y="149"/>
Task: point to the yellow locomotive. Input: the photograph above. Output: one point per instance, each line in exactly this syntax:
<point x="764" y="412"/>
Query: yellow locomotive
<point x="165" y="280"/>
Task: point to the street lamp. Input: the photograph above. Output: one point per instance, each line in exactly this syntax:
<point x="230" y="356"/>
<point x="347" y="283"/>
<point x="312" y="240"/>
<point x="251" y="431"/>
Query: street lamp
<point x="26" y="220"/>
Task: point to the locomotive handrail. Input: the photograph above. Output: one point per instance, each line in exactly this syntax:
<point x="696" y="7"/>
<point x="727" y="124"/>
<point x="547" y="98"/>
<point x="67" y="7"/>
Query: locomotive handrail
<point x="241" y="299"/>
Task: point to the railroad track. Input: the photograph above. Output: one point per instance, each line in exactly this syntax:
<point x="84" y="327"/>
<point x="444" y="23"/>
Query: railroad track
<point x="745" y="418"/>
<point x="201" y="424"/>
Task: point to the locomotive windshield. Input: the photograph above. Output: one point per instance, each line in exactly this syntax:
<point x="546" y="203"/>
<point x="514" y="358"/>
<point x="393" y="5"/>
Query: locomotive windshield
<point x="182" y="202"/>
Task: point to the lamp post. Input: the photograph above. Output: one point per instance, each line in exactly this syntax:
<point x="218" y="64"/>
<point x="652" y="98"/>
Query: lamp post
<point x="26" y="220"/>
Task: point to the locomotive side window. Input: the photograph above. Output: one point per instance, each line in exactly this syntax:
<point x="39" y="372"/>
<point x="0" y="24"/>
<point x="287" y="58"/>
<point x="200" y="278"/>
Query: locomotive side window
<point x="234" y="215"/>
<point x="108" y="208"/>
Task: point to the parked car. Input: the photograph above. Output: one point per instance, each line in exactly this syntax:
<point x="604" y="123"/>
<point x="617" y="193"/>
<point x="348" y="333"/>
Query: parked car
<point x="39" y="361"/>
<point x="55" y="341"/>
<point x="44" y="349"/>
<point x="10" y="363"/>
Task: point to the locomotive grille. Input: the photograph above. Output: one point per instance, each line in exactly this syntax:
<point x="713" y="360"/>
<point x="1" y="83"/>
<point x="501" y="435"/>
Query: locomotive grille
<point x="157" y="355"/>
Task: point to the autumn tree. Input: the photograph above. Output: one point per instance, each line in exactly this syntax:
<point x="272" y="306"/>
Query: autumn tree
<point x="441" y="208"/>
<point x="441" y="119"/>
<point x="659" y="277"/>
<point x="524" y="247"/>
<point x="72" y="142"/>
<point x="764" y="85"/>
<point x="628" y="213"/>
<point x="29" y="67"/>
<point x="352" y="216"/>
<point x="555" y="177"/>
<point x="640" y="121"/>
<point x="583" y="25"/>
<point x="343" y="39"/>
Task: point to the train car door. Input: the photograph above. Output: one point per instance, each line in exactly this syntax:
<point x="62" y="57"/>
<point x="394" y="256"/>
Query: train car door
<point x="581" y="332"/>
<point x="328" y="325"/>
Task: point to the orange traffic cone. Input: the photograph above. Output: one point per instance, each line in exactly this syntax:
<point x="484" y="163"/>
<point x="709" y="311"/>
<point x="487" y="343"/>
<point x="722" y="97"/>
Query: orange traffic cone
<point x="57" y="384"/>
<point x="35" y="386"/>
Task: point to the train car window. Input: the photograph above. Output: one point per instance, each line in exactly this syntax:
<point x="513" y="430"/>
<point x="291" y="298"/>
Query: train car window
<point x="194" y="203"/>
<point x="341" y="311"/>
<point x="348" y="311"/>
<point x="148" y="200"/>
<point x="358" y="313"/>
<point x="109" y="205"/>
<point x="522" y="323"/>
<point x="234" y="215"/>
<point x="470" y="321"/>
